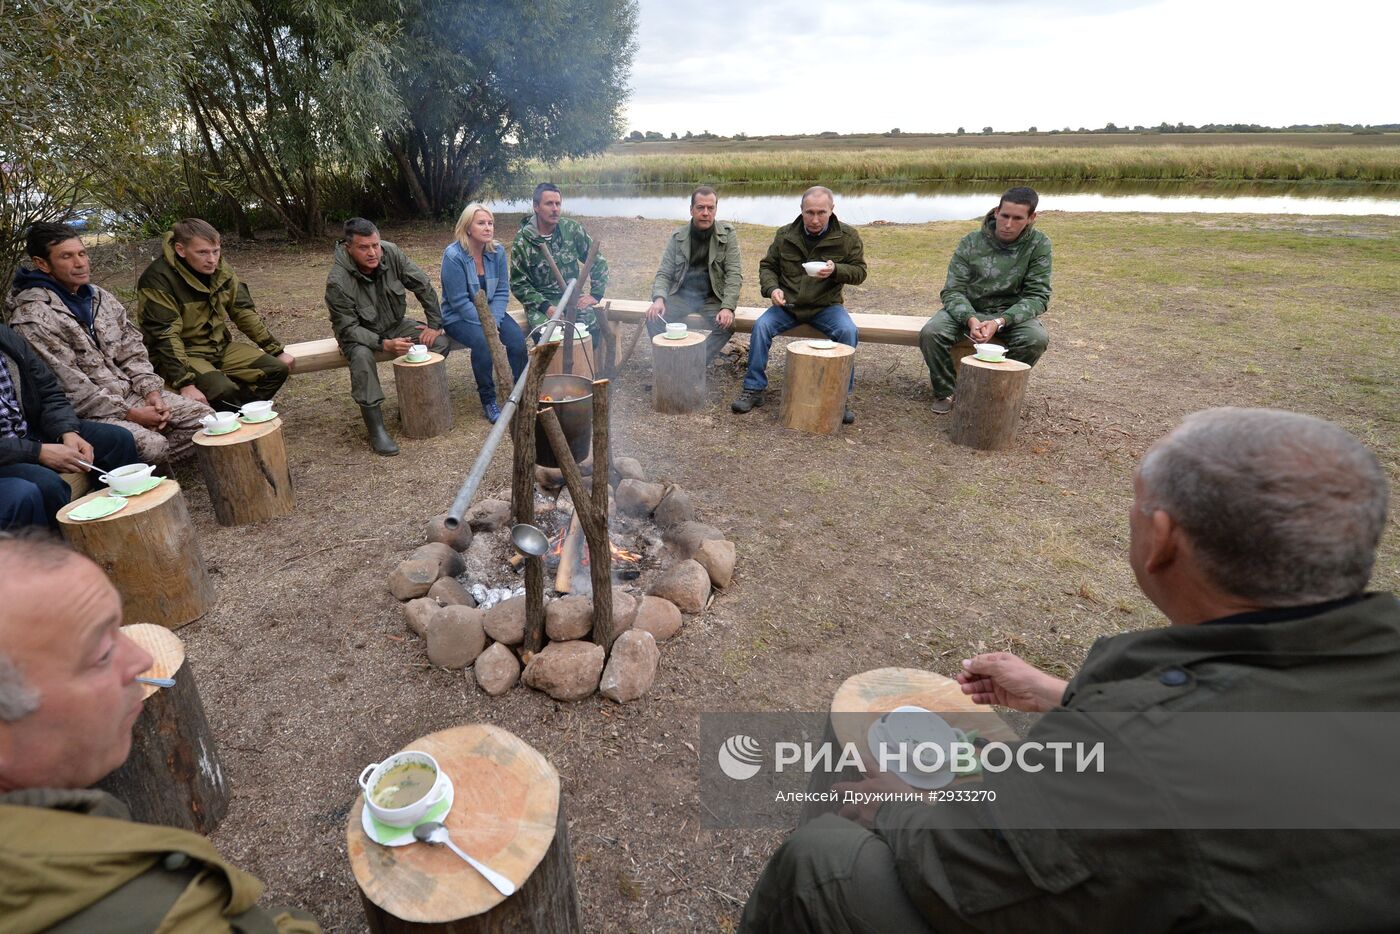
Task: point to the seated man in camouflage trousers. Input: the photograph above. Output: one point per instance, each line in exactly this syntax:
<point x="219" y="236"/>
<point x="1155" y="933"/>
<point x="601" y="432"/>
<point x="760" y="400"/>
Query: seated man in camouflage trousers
<point x="71" y="858"/>
<point x="185" y="300"/>
<point x="998" y="287"/>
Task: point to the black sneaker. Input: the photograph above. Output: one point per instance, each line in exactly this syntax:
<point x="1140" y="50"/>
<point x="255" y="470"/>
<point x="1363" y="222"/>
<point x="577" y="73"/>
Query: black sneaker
<point x="849" y="417"/>
<point x="747" y="400"/>
<point x="942" y="406"/>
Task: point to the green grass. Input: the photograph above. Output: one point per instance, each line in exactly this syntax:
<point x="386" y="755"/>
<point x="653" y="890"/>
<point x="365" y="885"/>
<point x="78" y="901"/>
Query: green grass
<point x="1141" y="163"/>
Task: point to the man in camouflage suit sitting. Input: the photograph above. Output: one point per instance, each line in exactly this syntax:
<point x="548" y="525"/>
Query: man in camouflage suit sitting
<point x="532" y="279"/>
<point x="998" y="287"/>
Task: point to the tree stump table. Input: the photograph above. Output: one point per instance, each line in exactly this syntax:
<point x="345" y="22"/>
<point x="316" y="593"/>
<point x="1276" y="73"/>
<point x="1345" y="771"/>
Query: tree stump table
<point x="173" y="775"/>
<point x="815" y="383"/>
<point x="245" y="472"/>
<point x="864" y="698"/>
<point x="678" y="373"/>
<point x="149" y="551"/>
<point x="989" y="398"/>
<point x="425" y="401"/>
<point x="508" y="814"/>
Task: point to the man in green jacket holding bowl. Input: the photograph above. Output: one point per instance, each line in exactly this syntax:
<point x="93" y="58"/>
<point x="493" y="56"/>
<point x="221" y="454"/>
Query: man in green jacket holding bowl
<point x="998" y="286"/>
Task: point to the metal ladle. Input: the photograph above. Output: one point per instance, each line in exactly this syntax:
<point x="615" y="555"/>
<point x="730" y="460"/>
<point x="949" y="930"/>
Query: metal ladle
<point x="528" y="540"/>
<point x="435" y="833"/>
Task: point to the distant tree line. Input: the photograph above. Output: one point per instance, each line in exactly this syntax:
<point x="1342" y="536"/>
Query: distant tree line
<point x="638" y="136"/>
<point x="290" y="113"/>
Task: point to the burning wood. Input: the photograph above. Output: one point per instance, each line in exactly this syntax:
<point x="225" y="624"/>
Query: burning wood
<point x="568" y="556"/>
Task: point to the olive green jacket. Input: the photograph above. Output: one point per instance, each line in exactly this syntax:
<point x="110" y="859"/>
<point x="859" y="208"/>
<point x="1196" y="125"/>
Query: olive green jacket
<point x="806" y="295"/>
<point x="726" y="275"/>
<point x="1127" y="693"/>
<point x="992" y="279"/>
<point x="366" y="309"/>
<point x="181" y="317"/>
<point x="72" y="861"/>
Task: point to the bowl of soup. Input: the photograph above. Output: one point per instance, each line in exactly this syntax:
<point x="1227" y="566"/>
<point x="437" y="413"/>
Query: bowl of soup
<point x="402" y="789"/>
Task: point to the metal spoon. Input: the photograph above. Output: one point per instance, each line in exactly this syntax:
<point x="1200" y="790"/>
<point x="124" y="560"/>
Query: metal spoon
<point x="435" y="833"/>
<point x="528" y="540"/>
<point x="158" y="682"/>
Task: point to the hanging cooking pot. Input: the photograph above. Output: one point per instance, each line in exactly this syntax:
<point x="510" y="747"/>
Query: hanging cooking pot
<point x="571" y="398"/>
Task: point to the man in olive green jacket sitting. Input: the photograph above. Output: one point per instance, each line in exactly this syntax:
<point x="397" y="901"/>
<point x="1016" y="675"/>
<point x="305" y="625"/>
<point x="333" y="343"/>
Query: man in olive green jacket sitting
<point x="71" y="859"/>
<point x="699" y="274"/>
<point x="366" y="292"/>
<point x="1254" y="531"/>
<point x="183" y="301"/>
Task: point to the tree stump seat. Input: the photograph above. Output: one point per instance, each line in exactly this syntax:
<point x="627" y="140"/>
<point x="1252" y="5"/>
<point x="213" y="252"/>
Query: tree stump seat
<point x="678" y="377"/>
<point x="988" y="402"/>
<point x="815" y="384"/>
<point x="246" y="473"/>
<point x="425" y="399"/>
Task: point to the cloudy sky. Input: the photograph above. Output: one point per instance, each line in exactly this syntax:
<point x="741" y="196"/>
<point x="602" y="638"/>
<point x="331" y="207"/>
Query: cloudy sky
<point x="804" y="66"/>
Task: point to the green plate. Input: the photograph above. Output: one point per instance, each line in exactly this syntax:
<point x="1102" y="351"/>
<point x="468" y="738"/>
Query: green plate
<point x="223" y="431"/>
<point x="675" y="337"/>
<point x="1001" y="359"/>
<point x="257" y="421"/>
<point x="150" y="484"/>
<point x="97" y="508"/>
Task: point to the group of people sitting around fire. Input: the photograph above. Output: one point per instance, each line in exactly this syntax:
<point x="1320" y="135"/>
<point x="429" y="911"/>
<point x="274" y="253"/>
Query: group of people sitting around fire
<point x="87" y="387"/>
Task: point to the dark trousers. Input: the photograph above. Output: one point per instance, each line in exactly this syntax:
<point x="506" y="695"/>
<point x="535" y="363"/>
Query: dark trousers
<point x="677" y="308"/>
<point x="364" y="369"/>
<point x="32" y="494"/>
<point x="471" y="334"/>
<point x="1025" y="342"/>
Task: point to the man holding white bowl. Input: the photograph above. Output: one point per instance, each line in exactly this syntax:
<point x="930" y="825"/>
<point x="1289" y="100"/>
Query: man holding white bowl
<point x="802" y="274"/>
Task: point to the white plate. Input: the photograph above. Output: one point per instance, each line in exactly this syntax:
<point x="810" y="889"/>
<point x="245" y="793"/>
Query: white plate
<point x="406" y="834"/>
<point x="821" y="344"/>
<point x="912" y="730"/>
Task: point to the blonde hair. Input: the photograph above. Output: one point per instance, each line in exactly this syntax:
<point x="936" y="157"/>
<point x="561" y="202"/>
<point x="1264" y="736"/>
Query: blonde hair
<point x="465" y="221"/>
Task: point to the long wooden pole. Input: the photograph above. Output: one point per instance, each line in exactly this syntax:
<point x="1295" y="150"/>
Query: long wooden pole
<point x="595" y="529"/>
<point x="500" y="363"/>
<point x="522" y="491"/>
<point x="600" y="559"/>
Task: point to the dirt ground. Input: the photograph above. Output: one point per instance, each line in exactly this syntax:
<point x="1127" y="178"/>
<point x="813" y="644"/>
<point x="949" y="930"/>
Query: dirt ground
<point x="881" y="545"/>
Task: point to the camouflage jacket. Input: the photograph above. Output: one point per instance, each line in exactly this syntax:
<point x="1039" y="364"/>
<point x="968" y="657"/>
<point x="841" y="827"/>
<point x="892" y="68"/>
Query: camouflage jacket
<point x="181" y="317"/>
<point x="806" y="295"/>
<point x="105" y="371"/>
<point x="73" y="861"/>
<point x="992" y="279"/>
<point x="364" y="309"/>
<point x="726" y="273"/>
<point x="532" y="282"/>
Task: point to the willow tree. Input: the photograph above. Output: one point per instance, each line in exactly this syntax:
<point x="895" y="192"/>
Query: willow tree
<point x="86" y="87"/>
<point x="489" y="86"/>
<point x="288" y="95"/>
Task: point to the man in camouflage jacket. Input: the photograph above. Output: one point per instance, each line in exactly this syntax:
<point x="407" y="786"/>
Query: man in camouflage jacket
<point x="998" y="286"/>
<point x="532" y="279"/>
<point x="184" y="301"/>
<point x="85" y="336"/>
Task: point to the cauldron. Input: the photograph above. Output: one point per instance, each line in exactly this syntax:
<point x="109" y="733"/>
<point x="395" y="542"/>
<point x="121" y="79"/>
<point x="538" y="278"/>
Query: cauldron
<point x="575" y="417"/>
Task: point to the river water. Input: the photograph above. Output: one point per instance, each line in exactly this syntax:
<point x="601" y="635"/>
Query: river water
<point x="916" y="205"/>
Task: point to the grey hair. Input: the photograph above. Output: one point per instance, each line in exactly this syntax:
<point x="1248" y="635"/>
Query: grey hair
<point x="17" y="699"/>
<point x="1282" y="509"/>
<point x="819" y="190"/>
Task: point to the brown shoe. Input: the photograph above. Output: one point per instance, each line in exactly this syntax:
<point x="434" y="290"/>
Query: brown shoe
<point x="942" y="406"/>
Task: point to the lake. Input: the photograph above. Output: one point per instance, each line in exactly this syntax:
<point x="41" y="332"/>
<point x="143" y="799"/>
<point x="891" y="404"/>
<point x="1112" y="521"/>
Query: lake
<point x="863" y="204"/>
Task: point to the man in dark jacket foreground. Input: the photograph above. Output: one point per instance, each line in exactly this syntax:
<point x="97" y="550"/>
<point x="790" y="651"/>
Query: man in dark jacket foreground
<point x="41" y="437"/>
<point x="70" y="858"/>
<point x="1255" y="532"/>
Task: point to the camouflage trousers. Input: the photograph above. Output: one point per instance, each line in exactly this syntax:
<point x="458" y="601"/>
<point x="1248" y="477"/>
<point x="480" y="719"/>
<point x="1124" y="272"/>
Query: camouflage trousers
<point x="1025" y="342"/>
<point x="175" y="442"/>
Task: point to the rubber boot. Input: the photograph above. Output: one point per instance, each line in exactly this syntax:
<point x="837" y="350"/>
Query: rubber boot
<point x="378" y="438"/>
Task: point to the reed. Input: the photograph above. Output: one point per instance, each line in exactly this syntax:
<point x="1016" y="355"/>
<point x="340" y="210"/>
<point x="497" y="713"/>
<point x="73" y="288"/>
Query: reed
<point x="1373" y="164"/>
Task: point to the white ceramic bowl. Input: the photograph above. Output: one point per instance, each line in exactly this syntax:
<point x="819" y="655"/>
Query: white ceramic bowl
<point x="220" y="421"/>
<point x="255" y="409"/>
<point x="677" y="327"/>
<point x="418" y="352"/>
<point x="409" y="814"/>
<point x="127" y="478"/>
<point x="814" y="267"/>
<point x="989" y="350"/>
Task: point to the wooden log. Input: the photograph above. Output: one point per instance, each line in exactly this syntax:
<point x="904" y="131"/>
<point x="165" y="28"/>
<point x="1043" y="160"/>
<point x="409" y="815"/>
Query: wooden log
<point x="246" y="473"/>
<point x="173" y="774"/>
<point x="522" y="490"/>
<point x="500" y="362"/>
<point x="150" y="554"/>
<point x="815" y="384"/>
<point x="425" y="400"/>
<point x="989" y="398"/>
<point x="600" y="558"/>
<point x="678" y="375"/>
<point x="507" y="813"/>
<point x="78" y="484"/>
<point x="864" y="698"/>
<point x="960" y="350"/>
<point x="595" y="529"/>
<point x="637" y="332"/>
<point x="568" y="556"/>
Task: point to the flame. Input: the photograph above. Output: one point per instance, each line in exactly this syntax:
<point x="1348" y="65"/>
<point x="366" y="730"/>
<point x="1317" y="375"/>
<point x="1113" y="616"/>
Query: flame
<point x="618" y="555"/>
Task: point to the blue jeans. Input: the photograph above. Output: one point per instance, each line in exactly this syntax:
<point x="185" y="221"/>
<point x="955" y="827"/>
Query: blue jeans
<point x="834" y="321"/>
<point x="471" y="334"/>
<point x="32" y="494"/>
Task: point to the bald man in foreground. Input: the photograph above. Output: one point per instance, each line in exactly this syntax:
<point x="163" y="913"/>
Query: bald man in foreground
<point x="1254" y="532"/>
<point x="71" y="859"/>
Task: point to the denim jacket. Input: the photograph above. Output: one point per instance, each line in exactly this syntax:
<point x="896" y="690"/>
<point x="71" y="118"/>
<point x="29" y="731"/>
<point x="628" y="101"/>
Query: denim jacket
<point x="460" y="283"/>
